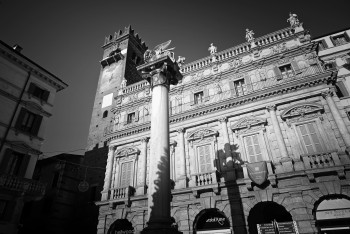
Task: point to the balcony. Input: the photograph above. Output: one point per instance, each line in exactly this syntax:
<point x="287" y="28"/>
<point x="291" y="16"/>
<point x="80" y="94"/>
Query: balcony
<point x="206" y="181"/>
<point x="22" y="185"/>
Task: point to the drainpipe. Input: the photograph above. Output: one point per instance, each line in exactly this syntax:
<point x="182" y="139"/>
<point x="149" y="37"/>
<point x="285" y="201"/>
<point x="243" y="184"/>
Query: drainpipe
<point x="3" y="140"/>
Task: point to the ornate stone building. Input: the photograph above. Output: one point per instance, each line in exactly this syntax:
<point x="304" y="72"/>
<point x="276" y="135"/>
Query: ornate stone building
<point x="259" y="135"/>
<point x="27" y="94"/>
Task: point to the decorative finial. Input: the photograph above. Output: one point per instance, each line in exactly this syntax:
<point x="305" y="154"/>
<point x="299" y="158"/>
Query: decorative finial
<point x="293" y="20"/>
<point x="180" y="60"/>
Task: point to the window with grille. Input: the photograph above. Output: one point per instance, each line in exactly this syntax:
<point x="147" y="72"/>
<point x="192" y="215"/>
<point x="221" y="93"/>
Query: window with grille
<point x="253" y="148"/>
<point x="310" y="137"/>
<point x="204" y="158"/>
<point x="198" y="98"/>
<point x="126" y="176"/>
<point x="239" y="87"/>
<point x="286" y="71"/>
<point x="340" y="39"/>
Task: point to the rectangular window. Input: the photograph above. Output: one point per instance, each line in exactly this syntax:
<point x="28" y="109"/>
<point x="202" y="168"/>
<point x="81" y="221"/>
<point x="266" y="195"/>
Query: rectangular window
<point x="38" y="92"/>
<point x="198" y="98"/>
<point x="322" y="45"/>
<point x="125" y="172"/>
<point x="28" y="122"/>
<point x="310" y="137"/>
<point x="253" y="149"/>
<point x="204" y="158"/>
<point x="131" y="118"/>
<point x="286" y="71"/>
<point x="340" y="39"/>
<point x="239" y="87"/>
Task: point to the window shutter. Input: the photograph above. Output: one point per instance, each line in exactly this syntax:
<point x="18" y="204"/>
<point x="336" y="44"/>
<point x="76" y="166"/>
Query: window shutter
<point x="24" y="165"/>
<point x="125" y="118"/>
<point x="36" y="125"/>
<point x="206" y="94"/>
<point x="278" y="73"/>
<point x="31" y="88"/>
<point x="137" y="114"/>
<point x="232" y="88"/>
<point x="5" y="161"/>
<point x="295" y="67"/>
<point x="248" y="83"/>
<point x="46" y="95"/>
<point x="20" y="118"/>
<point x="191" y="99"/>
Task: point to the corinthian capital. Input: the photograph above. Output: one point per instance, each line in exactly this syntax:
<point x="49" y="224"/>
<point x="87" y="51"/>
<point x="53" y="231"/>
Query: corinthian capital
<point x="180" y="130"/>
<point x="222" y="119"/>
<point x="328" y="93"/>
<point x="144" y="140"/>
<point x="271" y="107"/>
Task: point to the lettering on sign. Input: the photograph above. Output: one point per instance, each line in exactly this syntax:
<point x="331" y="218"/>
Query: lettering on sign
<point x="333" y="214"/>
<point x="221" y="221"/>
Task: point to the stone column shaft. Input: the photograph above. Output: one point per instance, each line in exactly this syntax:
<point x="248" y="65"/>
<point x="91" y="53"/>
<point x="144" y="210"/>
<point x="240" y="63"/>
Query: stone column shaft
<point x="276" y="126"/>
<point x="182" y="158"/>
<point x="337" y="117"/>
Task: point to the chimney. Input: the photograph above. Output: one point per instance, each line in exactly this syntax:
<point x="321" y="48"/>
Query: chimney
<point x="17" y="48"/>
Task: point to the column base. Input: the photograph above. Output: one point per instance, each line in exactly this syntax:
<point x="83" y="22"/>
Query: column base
<point x="181" y="182"/>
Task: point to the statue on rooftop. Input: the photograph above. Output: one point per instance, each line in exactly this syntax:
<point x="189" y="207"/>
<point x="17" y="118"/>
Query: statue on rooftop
<point x="293" y="20"/>
<point x="212" y="49"/>
<point x="180" y="60"/>
<point x="249" y="35"/>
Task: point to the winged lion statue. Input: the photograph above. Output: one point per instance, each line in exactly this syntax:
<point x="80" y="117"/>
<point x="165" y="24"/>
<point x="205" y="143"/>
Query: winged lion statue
<point x="158" y="52"/>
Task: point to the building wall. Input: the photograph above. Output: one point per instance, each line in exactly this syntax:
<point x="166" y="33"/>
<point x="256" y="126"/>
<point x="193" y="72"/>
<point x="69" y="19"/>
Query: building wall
<point x="288" y="90"/>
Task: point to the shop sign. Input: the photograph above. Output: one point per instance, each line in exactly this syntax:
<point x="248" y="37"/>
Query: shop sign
<point x="333" y="214"/>
<point x="257" y="172"/>
<point x="212" y="220"/>
<point x="280" y="228"/>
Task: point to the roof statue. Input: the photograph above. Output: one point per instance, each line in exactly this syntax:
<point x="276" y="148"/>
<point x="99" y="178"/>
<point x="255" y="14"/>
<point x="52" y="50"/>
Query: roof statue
<point x="249" y="35"/>
<point x="293" y="20"/>
<point x="212" y="49"/>
<point x="180" y="60"/>
<point x="158" y="52"/>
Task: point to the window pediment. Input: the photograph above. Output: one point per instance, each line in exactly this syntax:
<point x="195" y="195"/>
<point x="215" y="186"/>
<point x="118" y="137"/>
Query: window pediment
<point x="248" y="122"/>
<point x="202" y="133"/>
<point x="126" y="151"/>
<point x="301" y="110"/>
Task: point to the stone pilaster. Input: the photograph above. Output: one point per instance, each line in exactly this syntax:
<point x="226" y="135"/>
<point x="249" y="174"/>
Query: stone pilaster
<point x="285" y="160"/>
<point x="141" y="183"/>
<point x="181" y="179"/>
<point x="108" y="174"/>
<point x="160" y="74"/>
<point x="328" y="95"/>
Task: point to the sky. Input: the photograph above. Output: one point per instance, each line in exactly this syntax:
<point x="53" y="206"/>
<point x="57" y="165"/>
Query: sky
<point x="65" y="37"/>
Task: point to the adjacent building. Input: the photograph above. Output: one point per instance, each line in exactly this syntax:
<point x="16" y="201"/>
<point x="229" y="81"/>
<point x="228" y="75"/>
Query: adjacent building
<point x="27" y="93"/>
<point x="259" y="135"/>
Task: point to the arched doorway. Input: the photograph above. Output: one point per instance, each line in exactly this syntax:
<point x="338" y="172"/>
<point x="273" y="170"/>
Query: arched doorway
<point x="121" y="226"/>
<point x="211" y="221"/>
<point x="265" y="213"/>
<point x="332" y="215"/>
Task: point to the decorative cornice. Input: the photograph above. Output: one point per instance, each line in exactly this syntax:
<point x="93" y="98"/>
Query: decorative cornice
<point x="248" y="122"/>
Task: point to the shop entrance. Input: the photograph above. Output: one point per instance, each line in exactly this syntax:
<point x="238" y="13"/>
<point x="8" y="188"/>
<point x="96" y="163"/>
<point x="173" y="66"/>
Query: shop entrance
<point x="211" y="221"/>
<point x="121" y="226"/>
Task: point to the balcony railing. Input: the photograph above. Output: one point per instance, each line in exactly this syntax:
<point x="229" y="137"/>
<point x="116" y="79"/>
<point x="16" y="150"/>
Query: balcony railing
<point x="27" y="186"/>
<point x="121" y="193"/>
<point x="321" y="160"/>
<point x="205" y="178"/>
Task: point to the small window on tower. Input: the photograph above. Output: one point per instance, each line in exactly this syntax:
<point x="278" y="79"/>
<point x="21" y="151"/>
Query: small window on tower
<point x="105" y="114"/>
<point x="286" y="71"/>
<point x="198" y="97"/>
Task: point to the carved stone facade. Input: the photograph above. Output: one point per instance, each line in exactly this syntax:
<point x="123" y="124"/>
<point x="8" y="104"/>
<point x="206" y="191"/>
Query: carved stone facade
<point x="244" y="105"/>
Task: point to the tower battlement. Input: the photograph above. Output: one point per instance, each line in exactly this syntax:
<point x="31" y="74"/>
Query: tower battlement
<point x="127" y="31"/>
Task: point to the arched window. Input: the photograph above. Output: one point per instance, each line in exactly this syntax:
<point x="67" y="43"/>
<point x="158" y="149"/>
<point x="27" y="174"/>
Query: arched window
<point x="105" y="114"/>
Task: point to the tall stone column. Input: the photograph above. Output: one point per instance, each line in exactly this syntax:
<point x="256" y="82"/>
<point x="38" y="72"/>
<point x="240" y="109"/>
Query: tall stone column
<point x="108" y="174"/>
<point x="181" y="176"/>
<point x="337" y="117"/>
<point x="141" y="184"/>
<point x="230" y="173"/>
<point x="161" y="72"/>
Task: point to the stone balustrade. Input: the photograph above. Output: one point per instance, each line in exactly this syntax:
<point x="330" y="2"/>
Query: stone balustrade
<point x="22" y="185"/>
<point x="206" y="178"/>
<point x="121" y="193"/>
<point x="237" y="50"/>
<point x="321" y="160"/>
<point x="134" y="87"/>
